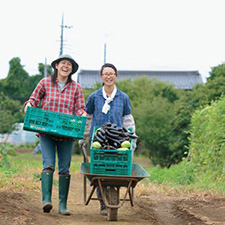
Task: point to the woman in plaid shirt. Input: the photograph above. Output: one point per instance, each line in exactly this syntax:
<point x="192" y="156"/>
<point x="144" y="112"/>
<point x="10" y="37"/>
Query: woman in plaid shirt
<point x="58" y="93"/>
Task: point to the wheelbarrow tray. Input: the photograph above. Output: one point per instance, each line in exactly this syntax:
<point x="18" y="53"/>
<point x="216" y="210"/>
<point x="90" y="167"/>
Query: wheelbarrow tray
<point x="138" y="173"/>
<point x="109" y="186"/>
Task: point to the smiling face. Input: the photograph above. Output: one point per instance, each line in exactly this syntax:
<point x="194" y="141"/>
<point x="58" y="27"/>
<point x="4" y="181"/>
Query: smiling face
<point x="64" y="68"/>
<point x="108" y="76"/>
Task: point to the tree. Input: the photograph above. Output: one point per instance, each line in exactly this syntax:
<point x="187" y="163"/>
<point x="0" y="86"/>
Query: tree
<point x="19" y="85"/>
<point x="87" y="91"/>
<point x="153" y="107"/>
<point x="10" y="114"/>
<point x="153" y="120"/>
<point x="217" y="71"/>
<point x="15" y="85"/>
<point x="163" y="114"/>
<point x="214" y="88"/>
<point x="144" y="88"/>
<point x="207" y="148"/>
<point x="41" y="69"/>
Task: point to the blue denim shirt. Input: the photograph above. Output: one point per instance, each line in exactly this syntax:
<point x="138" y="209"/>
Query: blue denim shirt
<point x="119" y="107"/>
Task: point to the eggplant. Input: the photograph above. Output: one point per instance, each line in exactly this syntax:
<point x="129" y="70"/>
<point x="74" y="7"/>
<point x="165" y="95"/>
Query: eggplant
<point x="123" y="134"/>
<point x="113" y="141"/>
<point x="114" y="131"/>
<point x="116" y="144"/>
<point x="99" y="134"/>
<point x="97" y="138"/>
<point x="120" y="129"/>
<point x="123" y="139"/>
<point x="112" y="135"/>
<point x="132" y="135"/>
<point x="112" y="147"/>
<point x="104" y="145"/>
<point x="102" y="131"/>
<point x="125" y="130"/>
<point x="108" y="124"/>
<point x="114" y="125"/>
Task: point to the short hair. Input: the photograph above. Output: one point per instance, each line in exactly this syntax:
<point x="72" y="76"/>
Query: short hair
<point x="108" y="65"/>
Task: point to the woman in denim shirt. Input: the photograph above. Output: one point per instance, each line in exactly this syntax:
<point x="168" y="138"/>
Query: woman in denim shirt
<point x="108" y="104"/>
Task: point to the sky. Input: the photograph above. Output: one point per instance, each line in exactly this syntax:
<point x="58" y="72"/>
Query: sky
<point x="139" y="34"/>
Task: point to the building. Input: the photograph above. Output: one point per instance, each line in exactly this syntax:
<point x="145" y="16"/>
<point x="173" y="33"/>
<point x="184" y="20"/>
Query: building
<point x="181" y="79"/>
<point x="19" y="136"/>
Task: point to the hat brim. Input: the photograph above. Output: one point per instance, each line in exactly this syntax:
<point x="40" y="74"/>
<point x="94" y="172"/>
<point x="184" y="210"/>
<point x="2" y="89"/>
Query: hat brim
<point x="75" y="65"/>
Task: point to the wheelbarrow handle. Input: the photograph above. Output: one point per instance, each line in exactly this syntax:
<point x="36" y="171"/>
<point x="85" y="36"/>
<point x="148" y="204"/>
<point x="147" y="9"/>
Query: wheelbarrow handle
<point x="85" y="154"/>
<point x="85" y="179"/>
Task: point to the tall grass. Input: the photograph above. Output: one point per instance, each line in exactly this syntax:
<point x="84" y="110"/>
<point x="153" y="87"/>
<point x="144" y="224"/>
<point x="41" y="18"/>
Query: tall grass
<point x="181" y="179"/>
<point x="25" y="170"/>
<point x="187" y="178"/>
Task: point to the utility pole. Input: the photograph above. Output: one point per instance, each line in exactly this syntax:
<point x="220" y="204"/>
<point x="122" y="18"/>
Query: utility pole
<point x="104" y="53"/>
<point x="45" y="68"/>
<point x="61" y="37"/>
<point x="105" y="47"/>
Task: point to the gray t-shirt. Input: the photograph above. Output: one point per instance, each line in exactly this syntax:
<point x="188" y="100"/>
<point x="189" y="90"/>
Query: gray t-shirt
<point x="61" y="84"/>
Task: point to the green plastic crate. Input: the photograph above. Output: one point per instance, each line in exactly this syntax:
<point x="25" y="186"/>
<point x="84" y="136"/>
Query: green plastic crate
<point x="54" y="123"/>
<point x="110" y="161"/>
<point x="113" y="169"/>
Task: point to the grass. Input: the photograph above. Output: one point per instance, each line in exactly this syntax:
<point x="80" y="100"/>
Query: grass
<point x="184" y="178"/>
<point x="25" y="170"/>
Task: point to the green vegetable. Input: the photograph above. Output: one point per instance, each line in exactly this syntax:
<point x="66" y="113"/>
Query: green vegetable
<point x="96" y="144"/>
<point x="125" y="144"/>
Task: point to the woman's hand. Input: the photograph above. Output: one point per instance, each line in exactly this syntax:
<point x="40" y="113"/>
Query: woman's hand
<point x="84" y="114"/>
<point x="25" y="108"/>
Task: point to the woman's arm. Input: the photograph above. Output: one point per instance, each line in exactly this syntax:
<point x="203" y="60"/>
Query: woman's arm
<point x="36" y="96"/>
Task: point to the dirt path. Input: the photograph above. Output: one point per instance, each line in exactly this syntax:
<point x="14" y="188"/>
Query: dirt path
<point x="25" y="208"/>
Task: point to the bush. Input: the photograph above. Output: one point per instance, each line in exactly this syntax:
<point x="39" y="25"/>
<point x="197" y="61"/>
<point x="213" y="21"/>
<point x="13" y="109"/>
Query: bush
<point x="207" y="149"/>
<point x="5" y="150"/>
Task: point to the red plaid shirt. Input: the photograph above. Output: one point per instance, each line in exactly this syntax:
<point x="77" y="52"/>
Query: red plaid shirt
<point x="69" y="100"/>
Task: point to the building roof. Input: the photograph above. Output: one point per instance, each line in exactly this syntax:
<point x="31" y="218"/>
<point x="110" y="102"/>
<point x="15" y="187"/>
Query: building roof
<point x="181" y="79"/>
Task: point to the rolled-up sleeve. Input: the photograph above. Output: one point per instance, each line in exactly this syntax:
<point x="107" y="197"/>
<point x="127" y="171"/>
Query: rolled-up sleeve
<point x="37" y="94"/>
<point x="127" y="106"/>
<point x="79" y="103"/>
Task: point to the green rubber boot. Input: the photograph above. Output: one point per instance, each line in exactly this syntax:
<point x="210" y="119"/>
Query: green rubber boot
<point x="64" y="183"/>
<point x="46" y="184"/>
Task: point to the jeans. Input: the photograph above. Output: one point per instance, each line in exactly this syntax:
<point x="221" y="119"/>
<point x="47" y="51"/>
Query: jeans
<point x="49" y="148"/>
<point x="99" y="195"/>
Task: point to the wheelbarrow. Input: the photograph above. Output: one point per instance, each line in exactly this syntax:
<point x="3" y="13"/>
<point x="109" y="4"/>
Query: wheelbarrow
<point x="110" y="185"/>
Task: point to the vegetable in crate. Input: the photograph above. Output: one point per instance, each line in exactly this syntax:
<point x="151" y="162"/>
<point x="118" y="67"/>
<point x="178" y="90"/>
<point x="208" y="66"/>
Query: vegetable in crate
<point x="125" y="144"/>
<point x="96" y="144"/>
<point x="110" y="136"/>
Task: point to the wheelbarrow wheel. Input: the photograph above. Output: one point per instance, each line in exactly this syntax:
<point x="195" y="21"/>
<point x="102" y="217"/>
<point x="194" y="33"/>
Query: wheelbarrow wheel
<point x="113" y="199"/>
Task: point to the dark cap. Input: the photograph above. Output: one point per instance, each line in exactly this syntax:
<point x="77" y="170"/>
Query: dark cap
<point x="61" y="57"/>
